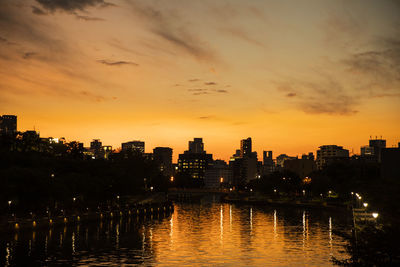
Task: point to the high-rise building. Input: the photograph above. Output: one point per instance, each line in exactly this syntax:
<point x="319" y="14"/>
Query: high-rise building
<point x="373" y="151"/>
<point x="245" y="147"/>
<point x="96" y="148"/>
<point x="302" y="167"/>
<point x="137" y="146"/>
<point x="162" y="156"/>
<point x="195" y="160"/>
<point x="218" y="174"/>
<point x="268" y="162"/>
<point x="8" y="124"/>
<point x="330" y="153"/>
<point x="244" y="165"/>
<point x="196" y="146"/>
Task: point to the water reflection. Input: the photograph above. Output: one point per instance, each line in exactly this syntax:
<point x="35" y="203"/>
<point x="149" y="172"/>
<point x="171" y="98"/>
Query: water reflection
<point x="195" y="234"/>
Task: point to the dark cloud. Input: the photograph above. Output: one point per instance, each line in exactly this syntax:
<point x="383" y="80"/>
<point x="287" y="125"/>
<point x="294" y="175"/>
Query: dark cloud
<point x="87" y="18"/>
<point x="95" y="97"/>
<point x="379" y="67"/>
<point x="205" y="91"/>
<point x="206" y="117"/>
<point x="241" y="34"/>
<point x="38" y="11"/>
<point x="71" y="5"/>
<point x="169" y="26"/>
<point x="117" y="63"/>
<point x="327" y="96"/>
<point x="291" y="94"/>
<point x="210" y="83"/>
<point x="6" y="41"/>
<point x="28" y="55"/>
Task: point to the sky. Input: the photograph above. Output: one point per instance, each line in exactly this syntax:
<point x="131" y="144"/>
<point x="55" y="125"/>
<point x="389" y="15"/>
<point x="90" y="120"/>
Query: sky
<point x="293" y="75"/>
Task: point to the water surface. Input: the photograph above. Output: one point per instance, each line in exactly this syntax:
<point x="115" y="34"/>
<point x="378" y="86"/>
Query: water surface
<point x="210" y="233"/>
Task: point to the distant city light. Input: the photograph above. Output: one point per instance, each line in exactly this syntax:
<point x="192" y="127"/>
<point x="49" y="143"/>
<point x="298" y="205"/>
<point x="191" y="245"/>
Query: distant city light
<point x="365" y="204"/>
<point x="375" y="215"/>
<point x="221" y="179"/>
<point x="172" y="178"/>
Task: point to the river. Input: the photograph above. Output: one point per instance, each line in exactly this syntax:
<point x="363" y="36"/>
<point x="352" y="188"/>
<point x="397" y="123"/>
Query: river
<point x="207" y="233"/>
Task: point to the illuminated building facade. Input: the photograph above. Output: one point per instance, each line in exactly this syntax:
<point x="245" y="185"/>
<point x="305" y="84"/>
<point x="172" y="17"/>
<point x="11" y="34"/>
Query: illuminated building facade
<point x="195" y="161"/>
<point x="8" y="124"/>
<point x="330" y="153"/>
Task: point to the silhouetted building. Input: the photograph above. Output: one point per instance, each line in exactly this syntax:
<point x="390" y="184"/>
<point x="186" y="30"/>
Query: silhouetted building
<point x="390" y="164"/>
<point x="162" y="156"/>
<point x="244" y="165"/>
<point x="96" y="147"/>
<point x="196" y="146"/>
<point x="219" y="174"/>
<point x="330" y="153"/>
<point x="245" y="147"/>
<point x="137" y="146"/>
<point x="194" y="161"/>
<point x="268" y="163"/>
<point x="280" y="160"/>
<point x="8" y="124"/>
<point x="302" y="167"/>
<point x="107" y="150"/>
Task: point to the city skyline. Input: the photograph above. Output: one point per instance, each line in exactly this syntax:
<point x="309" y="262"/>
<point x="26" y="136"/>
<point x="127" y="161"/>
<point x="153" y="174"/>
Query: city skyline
<point x="245" y="144"/>
<point x="159" y="72"/>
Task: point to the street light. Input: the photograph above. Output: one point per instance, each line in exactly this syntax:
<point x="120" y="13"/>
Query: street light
<point x="304" y="192"/>
<point x="74" y="199"/>
<point x="9" y="203"/>
<point x="117" y="197"/>
<point x="52" y="175"/>
<point x="365" y="205"/>
<point x="375" y="215"/>
<point x="172" y="178"/>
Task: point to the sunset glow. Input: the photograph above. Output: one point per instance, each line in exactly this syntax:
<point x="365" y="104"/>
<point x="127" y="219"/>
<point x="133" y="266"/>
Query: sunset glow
<point x="163" y="72"/>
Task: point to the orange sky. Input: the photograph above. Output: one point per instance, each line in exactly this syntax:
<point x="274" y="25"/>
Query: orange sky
<point x="293" y="76"/>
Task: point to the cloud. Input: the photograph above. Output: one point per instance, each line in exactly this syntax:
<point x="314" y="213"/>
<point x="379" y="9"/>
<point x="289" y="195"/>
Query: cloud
<point x="170" y="28"/>
<point x="325" y="96"/>
<point x="206" y="91"/>
<point x="116" y="63"/>
<point x="38" y="11"/>
<point x="380" y="67"/>
<point x="210" y="83"/>
<point x="95" y="97"/>
<point x="87" y="18"/>
<point x="28" y="55"/>
<point x="72" y="5"/>
<point x="291" y="94"/>
<point x="241" y="34"/>
<point x="205" y="117"/>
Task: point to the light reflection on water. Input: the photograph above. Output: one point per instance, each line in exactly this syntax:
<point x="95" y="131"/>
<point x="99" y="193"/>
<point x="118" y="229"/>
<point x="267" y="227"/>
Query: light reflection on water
<point x="195" y="234"/>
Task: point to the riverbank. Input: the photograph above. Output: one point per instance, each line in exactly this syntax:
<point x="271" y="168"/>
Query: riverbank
<point x="286" y="202"/>
<point x="136" y="206"/>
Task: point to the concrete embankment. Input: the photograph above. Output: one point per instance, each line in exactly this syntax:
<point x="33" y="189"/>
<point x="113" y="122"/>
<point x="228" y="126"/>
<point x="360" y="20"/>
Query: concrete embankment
<point x="142" y="209"/>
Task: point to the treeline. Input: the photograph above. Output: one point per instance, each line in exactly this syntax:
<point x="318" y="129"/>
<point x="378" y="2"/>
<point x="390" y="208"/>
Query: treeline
<point x="35" y="174"/>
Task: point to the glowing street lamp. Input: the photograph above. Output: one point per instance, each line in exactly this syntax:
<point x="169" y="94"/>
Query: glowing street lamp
<point x="274" y="190"/>
<point x="365" y="205"/>
<point x="304" y="192"/>
<point x="52" y="175"/>
<point x="172" y="179"/>
<point x="375" y="215"/>
<point x="74" y="199"/>
<point x="9" y="203"/>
